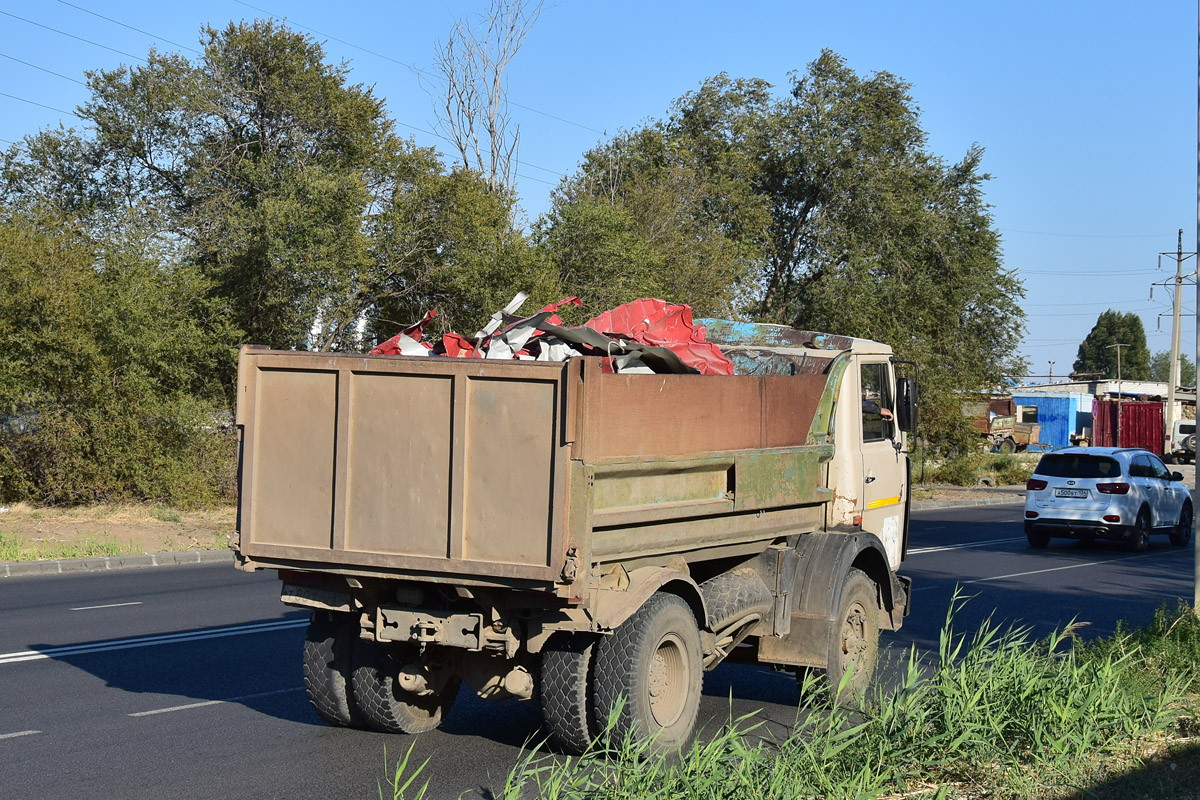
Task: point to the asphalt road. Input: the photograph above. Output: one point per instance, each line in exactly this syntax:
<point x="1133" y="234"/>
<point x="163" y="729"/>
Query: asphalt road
<point x="185" y="682"/>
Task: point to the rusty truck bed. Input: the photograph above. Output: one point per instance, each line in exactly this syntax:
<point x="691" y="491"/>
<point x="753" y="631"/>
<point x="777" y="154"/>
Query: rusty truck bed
<point x="517" y="473"/>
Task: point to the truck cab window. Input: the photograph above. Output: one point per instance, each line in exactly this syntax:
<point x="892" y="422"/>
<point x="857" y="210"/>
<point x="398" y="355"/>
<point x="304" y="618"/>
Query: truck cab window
<point x="876" y="403"/>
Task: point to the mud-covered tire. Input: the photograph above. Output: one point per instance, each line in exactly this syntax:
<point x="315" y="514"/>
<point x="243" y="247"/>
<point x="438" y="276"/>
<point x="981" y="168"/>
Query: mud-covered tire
<point x="1181" y="534"/>
<point x="328" y="650"/>
<point x="568" y="704"/>
<point x="1008" y="446"/>
<point x="853" y="639"/>
<point x="648" y="676"/>
<point x="383" y="704"/>
<point x="1141" y="531"/>
<point x="731" y="596"/>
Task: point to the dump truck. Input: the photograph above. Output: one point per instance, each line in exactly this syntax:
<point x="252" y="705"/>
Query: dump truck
<point x="995" y="420"/>
<point x="591" y="540"/>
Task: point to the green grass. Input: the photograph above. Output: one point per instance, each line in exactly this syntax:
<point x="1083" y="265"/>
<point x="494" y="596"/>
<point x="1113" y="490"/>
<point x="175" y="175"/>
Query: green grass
<point x="164" y="514"/>
<point x="994" y="714"/>
<point x="17" y="548"/>
<point x="967" y="469"/>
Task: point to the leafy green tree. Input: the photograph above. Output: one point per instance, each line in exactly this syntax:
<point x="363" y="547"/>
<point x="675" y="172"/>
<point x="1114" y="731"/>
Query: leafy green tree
<point x="110" y="389"/>
<point x="1160" y="368"/>
<point x="822" y="209"/>
<point x="640" y="219"/>
<point x="260" y="163"/>
<point x="1098" y="351"/>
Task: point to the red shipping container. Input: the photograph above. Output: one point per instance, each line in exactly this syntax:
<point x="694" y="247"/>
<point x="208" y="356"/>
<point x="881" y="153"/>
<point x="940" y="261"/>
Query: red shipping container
<point x="1141" y="424"/>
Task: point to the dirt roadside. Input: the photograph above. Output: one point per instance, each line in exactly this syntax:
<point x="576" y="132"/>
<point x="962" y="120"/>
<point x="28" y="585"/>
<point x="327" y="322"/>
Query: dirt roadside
<point x="110" y="530"/>
<point x="55" y="533"/>
<point x="143" y="529"/>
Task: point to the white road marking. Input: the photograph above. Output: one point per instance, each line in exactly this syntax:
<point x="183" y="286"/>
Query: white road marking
<point x="149" y="641"/>
<point x="110" y="605"/>
<point x="18" y="733"/>
<point x="1049" y="569"/>
<point x="214" y="702"/>
<point x="1069" y="566"/>
<point x="964" y="544"/>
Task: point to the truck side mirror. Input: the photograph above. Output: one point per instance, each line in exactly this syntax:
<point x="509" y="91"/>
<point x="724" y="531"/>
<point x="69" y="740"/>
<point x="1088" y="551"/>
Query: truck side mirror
<point x="906" y="404"/>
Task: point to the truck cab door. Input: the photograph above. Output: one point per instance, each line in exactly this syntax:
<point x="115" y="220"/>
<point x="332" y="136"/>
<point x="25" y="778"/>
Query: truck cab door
<point x="883" y="462"/>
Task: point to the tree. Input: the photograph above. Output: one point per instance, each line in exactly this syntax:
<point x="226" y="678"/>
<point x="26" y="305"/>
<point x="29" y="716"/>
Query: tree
<point x="1098" y="353"/>
<point x="824" y="209"/>
<point x="631" y="225"/>
<point x="111" y="371"/>
<point x="472" y="107"/>
<point x="286" y="185"/>
<point x="1160" y="368"/>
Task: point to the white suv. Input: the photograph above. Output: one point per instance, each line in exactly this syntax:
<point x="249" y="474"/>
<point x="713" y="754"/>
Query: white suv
<point x="1106" y="493"/>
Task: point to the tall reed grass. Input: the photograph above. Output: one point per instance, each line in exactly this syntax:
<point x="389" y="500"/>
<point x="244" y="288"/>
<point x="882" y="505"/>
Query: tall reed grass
<point x="997" y="713"/>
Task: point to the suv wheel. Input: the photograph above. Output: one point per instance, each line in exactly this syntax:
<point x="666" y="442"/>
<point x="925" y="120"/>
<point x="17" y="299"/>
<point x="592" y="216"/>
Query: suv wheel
<point x="1038" y="539"/>
<point x="1141" y="531"/>
<point x="1181" y="534"/>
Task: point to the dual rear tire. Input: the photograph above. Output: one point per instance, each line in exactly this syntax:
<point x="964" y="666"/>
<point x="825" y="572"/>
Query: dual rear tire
<point x="353" y="682"/>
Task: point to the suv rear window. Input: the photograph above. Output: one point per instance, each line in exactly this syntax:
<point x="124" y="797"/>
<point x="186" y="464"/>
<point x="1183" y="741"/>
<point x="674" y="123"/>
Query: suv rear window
<point x="1069" y="465"/>
<point x="1190" y="428"/>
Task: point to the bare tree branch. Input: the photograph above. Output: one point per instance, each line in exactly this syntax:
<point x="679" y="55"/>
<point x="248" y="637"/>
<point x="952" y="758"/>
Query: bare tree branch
<point x="472" y="107"/>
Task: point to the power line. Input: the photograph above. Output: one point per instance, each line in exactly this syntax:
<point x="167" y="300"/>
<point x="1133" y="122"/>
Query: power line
<point x="43" y="69"/>
<point x="1090" y="313"/>
<point x="130" y="27"/>
<point x="1090" y="235"/>
<point x="415" y="68"/>
<point x="73" y="36"/>
<point x="43" y="105"/>
<point x="1086" y="273"/>
<point x="1096" y="303"/>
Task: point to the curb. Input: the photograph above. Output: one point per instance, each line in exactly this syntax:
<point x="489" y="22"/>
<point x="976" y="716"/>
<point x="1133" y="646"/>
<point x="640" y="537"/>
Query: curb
<point x="65" y="566"/>
<point x="14" y="569"/>
<point x="929" y="505"/>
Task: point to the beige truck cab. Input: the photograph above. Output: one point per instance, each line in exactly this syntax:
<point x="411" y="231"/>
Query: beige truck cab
<point x="595" y="540"/>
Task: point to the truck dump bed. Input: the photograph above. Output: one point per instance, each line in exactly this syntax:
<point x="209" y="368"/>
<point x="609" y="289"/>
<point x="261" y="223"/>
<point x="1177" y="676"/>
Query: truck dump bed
<point x="518" y="473"/>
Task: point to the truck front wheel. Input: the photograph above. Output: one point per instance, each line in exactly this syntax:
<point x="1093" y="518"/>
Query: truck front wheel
<point x="568" y="706"/>
<point x="387" y="707"/>
<point x="853" y="639"/>
<point x="328" y="647"/>
<point x="648" y="675"/>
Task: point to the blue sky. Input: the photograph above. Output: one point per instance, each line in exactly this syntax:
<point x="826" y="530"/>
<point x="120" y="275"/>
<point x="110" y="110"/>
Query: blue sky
<point x="1086" y="110"/>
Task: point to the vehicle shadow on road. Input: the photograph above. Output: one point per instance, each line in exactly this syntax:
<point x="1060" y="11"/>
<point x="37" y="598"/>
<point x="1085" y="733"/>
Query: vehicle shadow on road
<point x="259" y="670"/>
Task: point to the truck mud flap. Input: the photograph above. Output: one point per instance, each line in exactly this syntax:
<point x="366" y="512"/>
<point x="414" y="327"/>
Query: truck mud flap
<point x="824" y="559"/>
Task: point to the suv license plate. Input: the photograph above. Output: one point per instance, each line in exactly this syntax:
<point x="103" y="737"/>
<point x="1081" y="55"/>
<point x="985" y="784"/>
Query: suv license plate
<point x="1070" y="492"/>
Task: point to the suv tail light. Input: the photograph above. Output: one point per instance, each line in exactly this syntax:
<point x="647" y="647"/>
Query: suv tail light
<point x="1112" y="488"/>
<point x="1035" y="485"/>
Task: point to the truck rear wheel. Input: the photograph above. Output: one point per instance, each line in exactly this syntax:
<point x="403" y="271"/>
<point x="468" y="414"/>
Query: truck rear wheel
<point x="650" y="669"/>
<point x="568" y="706"/>
<point x="328" y="647"/>
<point x="384" y="705"/>
<point x="853" y="639"/>
<point x="1008" y="445"/>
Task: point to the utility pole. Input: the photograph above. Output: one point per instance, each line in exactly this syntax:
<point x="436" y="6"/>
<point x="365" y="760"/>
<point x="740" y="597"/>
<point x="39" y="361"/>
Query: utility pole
<point x="1174" y="371"/>
<point x="1196" y="486"/>
<point x="1120" y="394"/>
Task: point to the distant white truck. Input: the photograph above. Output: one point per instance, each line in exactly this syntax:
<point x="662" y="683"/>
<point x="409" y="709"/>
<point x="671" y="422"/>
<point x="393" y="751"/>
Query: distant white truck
<point x="1183" y="442"/>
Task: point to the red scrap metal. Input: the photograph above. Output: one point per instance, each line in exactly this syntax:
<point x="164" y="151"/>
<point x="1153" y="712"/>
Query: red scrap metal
<point x="662" y="324"/>
<point x="643" y="334"/>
